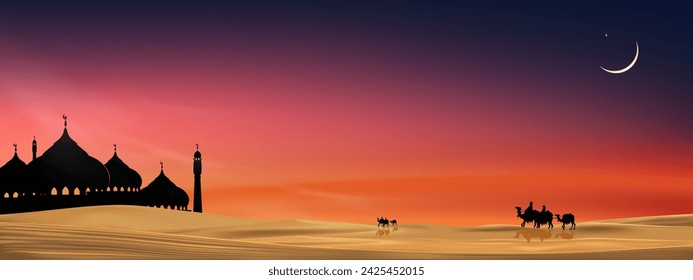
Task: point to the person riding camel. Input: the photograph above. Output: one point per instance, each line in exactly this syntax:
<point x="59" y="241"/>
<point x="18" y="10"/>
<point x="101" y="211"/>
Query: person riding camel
<point x="530" y="208"/>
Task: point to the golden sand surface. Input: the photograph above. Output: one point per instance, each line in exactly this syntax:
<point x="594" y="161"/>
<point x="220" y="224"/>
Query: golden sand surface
<point x="131" y="232"/>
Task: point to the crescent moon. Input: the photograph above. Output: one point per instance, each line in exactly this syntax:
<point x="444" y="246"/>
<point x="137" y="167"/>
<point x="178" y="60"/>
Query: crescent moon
<point x="637" y="51"/>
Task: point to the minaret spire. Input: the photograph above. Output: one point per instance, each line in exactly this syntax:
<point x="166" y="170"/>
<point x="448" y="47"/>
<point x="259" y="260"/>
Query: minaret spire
<point x="33" y="149"/>
<point x="115" y="148"/>
<point x="197" y="170"/>
<point x="65" y="119"/>
<point x="162" y="166"/>
<point x="15" y="148"/>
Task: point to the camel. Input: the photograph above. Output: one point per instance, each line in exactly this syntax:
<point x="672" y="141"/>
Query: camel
<point x="567" y="219"/>
<point x="526" y="217"/>
<point x="544" y="217"/>
<point x="383" y="222"/>
<point x="539" y="218"/>
<point x="393" y="222"/>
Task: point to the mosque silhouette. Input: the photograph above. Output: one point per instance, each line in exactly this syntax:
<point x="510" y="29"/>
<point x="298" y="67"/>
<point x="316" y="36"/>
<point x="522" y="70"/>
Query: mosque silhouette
<point x="67" y="176"/>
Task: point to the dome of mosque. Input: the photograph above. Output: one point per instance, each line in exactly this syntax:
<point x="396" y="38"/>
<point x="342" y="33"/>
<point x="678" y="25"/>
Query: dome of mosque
<point x="13" y="174"/>
<point x="121" y="174"/>
<point x="66" y="164"/>
<point x="163" y="192"/>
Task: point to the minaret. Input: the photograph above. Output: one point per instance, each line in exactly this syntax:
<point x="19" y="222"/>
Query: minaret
<point x="197" y="170"/>
<point x="33" y="149"/>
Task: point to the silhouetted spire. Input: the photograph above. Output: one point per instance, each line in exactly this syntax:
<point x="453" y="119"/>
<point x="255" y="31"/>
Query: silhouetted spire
<point x="197" y="170"/>
<point x="33" y="149"/>
<point x="15" y="148"/>
<point x="197" y="154"/>
<point x="115" y="148"/>
<point x="65" y="118"/>
<point x="162" y="166"/>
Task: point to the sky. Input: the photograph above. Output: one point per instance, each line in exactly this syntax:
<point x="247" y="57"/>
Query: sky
<point x="423" y="111"/>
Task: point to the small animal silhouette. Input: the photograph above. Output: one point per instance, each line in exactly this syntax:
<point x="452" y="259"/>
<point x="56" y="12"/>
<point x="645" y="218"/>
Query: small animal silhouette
<point x="393" y="222"/>
<point x="567" y="219"/>
<point x="383" y="222"/>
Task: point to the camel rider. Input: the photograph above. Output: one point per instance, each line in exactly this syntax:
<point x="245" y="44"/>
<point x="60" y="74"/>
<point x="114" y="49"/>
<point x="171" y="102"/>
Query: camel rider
<point x="543" y="209"/>
<point x="530" y="208"/>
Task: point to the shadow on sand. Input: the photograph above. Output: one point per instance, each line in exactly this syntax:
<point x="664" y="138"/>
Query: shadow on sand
<point x="386" y="231"/>
<point x="541" y="234"/>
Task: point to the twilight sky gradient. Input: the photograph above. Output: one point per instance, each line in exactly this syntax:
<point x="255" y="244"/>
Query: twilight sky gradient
<point x="348" y="110"/>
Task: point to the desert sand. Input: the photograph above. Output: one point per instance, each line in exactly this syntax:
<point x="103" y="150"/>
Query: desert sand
<point x="131" y="232"/>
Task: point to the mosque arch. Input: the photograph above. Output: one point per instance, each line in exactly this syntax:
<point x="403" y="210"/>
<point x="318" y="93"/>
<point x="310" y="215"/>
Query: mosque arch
<point x="65" y="191"/>
<point x="7" y="195"/>
<point x="76" y="191"/>
<point x="15" y="195"/>
<point x="54" y="191"/>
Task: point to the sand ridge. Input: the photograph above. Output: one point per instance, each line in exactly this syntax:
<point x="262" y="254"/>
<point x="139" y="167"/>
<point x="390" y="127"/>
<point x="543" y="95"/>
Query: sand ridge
<point x="131" y="232"/>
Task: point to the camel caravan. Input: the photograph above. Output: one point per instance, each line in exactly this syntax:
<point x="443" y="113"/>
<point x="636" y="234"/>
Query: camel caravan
<point x="543" y="217"/>
<point x="384" y="222"/>
<point x="384" y="226"/>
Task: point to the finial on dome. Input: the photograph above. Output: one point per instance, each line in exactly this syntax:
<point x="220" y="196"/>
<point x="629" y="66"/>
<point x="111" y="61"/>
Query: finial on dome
<point x="65" y="118"/>
<point x="15" y="147"/>
<point x="115" y="147"/>
<point x="197" y="146"/>
<point x="162" y="166"/>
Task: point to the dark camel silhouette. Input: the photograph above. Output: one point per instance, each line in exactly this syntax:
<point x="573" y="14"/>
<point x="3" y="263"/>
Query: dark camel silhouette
<point x="383" y="222"/>
<point x="527" y="216"/>
<point x="544" y="217"/>
<point x="530" y="234"/>
<point x="393" y="222"/>
<point x="567" y="219"/>
<point x="539" y="218"/>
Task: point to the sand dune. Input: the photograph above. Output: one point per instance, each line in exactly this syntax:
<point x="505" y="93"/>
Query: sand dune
<point x="130" y="232"/>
